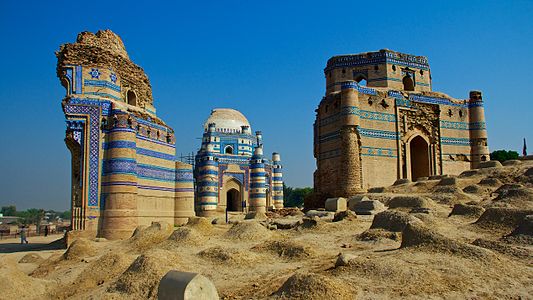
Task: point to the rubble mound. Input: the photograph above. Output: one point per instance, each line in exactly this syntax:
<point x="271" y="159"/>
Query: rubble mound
<point x="529" y="172"/>
<point x="313" y="287"/>
<point x="311" y="223"/>
<point x="368" y="267"/>
<point x="448" y="181"/>
<point x="467" y="210"/>
<point x="200" y="224"/>
<point x="99" y="272"/>
<point x="492" y="182"/>
<point x="502" y="218"/>
<point x="514" y="192"/>
<point x="392" y="220"/>
<point x="525" y="227"/>
<point x="14" y="284"/>
<point x="219" y="254"/>
<point x="80" y="248"/>
<point x="286" y="249"/>
<point x="31" y="258"/>
<point x="523" y="234"/>
<point x="141" y="278"/>
<point x="490" y="164"/>
<point x="146" y="237"/>
<point x="377" y="234"/>
<point x="249" y="231"/>
<point x="408" y="202"/>
<point x="512" y="162"/>
<point x="419" y="236"/>
<point x="347" y="215"/>
<point x="473" y="189"/>
<point x="499" y="247"/>
<point x="254" y="215"/>
<point x="186" y="235"/>
<point x="469" y="173"/>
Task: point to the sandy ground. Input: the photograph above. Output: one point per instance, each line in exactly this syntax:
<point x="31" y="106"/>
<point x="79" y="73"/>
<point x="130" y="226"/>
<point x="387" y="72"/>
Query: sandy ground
<point x="249" y="261"/>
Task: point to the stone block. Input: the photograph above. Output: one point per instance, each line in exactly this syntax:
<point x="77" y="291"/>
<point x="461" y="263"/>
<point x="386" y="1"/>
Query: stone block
<point x="176" y="285"/>
<point x="336" y="204"/>
<point x="352" y="201"/>
<point x="368" y="207"/>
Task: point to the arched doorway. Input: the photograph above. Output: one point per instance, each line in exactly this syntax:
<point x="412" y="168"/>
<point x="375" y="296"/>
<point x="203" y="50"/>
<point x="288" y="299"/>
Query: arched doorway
<point x="228" y="150"/>
<point x="419" y="149"/>
<point x="233" y="198"/>
<point x="408" y="83"/>
<point x="131" y="98"/>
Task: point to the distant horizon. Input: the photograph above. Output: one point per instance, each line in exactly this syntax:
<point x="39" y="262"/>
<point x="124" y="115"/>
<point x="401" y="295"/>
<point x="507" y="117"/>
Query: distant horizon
<point x="264" y="59"/>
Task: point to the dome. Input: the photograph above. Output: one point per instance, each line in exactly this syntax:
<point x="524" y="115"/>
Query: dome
<point x="227" y="119"/>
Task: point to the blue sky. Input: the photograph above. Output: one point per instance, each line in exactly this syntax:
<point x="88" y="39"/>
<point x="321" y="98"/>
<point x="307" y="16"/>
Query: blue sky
<point x="264" y="58"/>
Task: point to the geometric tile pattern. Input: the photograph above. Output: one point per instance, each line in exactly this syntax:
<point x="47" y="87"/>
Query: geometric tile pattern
<point x="93" y="114"/>
<point x="374" y="151"/>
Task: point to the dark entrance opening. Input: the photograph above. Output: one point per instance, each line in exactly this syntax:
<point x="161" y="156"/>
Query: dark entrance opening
<point x="408" y="83"/>
<point x="419" y="158"/>
<point x="233" y="199"/>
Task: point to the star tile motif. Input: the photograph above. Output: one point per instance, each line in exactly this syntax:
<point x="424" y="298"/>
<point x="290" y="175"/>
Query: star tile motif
<point x="94" y="73"/>
<point x="113" y="77"/>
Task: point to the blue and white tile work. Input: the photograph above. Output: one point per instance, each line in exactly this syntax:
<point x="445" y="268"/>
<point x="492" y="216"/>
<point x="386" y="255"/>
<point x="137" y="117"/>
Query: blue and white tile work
<point x="225" y="163"/>
<point x="124" y="171"/>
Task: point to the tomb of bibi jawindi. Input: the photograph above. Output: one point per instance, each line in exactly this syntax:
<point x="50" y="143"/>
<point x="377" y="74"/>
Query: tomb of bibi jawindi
<point x="124" y="171"/>
<point x="380" y="121"/>
<point x="231" y="171"/>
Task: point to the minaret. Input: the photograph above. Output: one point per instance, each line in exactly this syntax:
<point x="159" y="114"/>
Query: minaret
<point x="258" y="181"/>
<point x="478" y="130"/>
<point x="120" y="181"/>
<point x="277" y="181"/>
<point x="208" y="178"/>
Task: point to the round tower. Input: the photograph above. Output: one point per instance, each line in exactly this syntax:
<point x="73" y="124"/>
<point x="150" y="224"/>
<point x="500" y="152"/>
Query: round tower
<point x="259" y="137"/>
<point x="478" y="131"/>
<point x="120" y="181"/>
<point x="184" y="194"/>
<point x="350" y="181"/>
<point x="277" y="181"/>
<point x="207" y="184"/>
<point x="257" y="181"/>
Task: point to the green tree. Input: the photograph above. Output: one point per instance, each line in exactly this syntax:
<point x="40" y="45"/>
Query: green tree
<point x="293" y="197"/>
<point x="10" y="210"/>
<point x="502" y="155"/>
<point x="31" y="216"/>
<point x="65" y="215"/>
